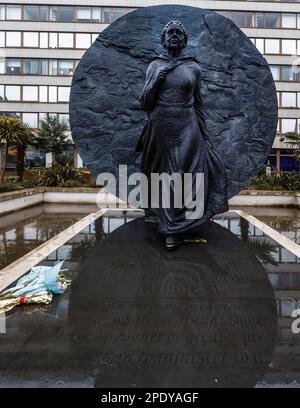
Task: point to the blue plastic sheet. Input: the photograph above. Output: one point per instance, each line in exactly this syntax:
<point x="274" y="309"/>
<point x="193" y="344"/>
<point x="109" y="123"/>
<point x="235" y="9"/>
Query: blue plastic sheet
<point x="40" y="280"/>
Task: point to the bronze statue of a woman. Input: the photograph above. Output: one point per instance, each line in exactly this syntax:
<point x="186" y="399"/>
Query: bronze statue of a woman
<point x="175" y="139"/>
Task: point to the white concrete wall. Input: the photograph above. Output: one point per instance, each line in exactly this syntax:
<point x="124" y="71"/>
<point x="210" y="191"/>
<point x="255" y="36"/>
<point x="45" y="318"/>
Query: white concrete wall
<point x="100" y="198"/>
<point x="104" y="200"/>
<point x="62" y="197"/>
<point x="263" y="200"/>
<point x="19" y="203"/>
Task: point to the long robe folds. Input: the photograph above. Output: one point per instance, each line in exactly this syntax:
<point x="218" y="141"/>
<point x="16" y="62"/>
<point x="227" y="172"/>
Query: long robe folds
<point x="175" y="140"/>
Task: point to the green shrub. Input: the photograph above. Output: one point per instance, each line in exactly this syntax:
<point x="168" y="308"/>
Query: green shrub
<point x="14" y="186"/>
<point x="73" y="183"/>
<point x="276" y="181"/>
<point x="29" y="183"/>
<point x="6" y="187"/>
<point x="58" y="174"/>
<point x="290" y="181"/>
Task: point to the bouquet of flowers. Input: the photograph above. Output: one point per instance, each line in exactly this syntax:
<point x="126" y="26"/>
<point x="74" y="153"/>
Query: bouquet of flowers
<point x="36" y="287"/>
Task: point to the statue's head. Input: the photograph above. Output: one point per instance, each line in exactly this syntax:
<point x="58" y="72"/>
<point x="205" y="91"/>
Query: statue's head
<point x="174" y="36"/>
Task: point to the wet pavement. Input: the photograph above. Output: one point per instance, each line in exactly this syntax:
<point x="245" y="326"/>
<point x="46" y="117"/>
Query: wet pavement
<point x="215" y="314"/>
<point x="284" y="220"/>
<point x="24" y="230"/>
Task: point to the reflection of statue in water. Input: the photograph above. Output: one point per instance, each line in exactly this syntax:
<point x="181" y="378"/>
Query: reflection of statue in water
<point x="175" y="138"/>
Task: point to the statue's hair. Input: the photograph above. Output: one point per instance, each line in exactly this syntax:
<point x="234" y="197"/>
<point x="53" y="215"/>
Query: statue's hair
<point x="173" y="22"/>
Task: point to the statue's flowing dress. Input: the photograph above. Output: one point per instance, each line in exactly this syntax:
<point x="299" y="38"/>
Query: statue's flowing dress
<point x="175" y="139"/>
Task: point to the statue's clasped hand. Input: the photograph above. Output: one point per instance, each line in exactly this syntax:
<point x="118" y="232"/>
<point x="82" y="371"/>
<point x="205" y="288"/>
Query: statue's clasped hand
<point x="162" y="75"/>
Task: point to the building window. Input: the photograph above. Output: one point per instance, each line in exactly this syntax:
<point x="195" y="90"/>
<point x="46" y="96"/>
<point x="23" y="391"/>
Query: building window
<point x="289" y="75"/>
<point x="65" y="40"/>
<point x="64" y="118"/>
<point x="13" y="12"/>
<point x="288" y="163"/>
<point x="65" y="67"/>
<point x="31" y="13"/>
<point x="2" y="39"/>
<point x="2" y="95"/>
<point x="66" y="13"/>
<point x="117" y="13"/>
<point x="2" y="66"/>
<point x="52" y="40"/>
<point x="31" y="39"/>
<point x="30" y="93"/>
<point x="63" y="94"/>
<point x="52" y="93"/>
<point x="31" y="119"/>
<point x="90" y="14"/>
<point x="242" y="19"/>
<point x="289" y="20"/>
<point x="53" y="67"/>
<point x="288" y="125"/>
<point x="13" y="39"/>
<point x="271" y="46"/>
<point x="106" y="16"/>
<point x="84" y="14"/>
<point x="96" y="15"/>
<point x="13" y="66"/>
<point x="12" y="92"/>
<point x="44" y="67"/>
<point x="289" y="99"/>
<point x="37" y="66"/>
<point x="2" y="12"/>
<point x="289" y="47"/>
<point x="53" y="13"/>
<point x="43" y="94"/>
<point x="42" y="117"/>
<point x="43" y="40"/>
<point x="31" y="67"/>
<point x="260" y="20"/>
<point x="44" y="13"/>
<point x="267" y="20"/>
<point x="260" y="45"/>
<point x="83" y="40"/>
<point x="275" y="72"/>
<point x="272" y="20"/>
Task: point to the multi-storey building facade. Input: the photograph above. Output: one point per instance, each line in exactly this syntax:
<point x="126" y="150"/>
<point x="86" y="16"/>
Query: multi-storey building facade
<point x="41" y="44"/>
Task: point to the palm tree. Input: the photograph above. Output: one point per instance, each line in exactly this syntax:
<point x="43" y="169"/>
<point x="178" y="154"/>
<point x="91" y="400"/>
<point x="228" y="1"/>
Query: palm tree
<point x="294" y="141"/>
<point x="51" y="136"/>
<point x="28" y="139"/>
<point x="14" y="132"/>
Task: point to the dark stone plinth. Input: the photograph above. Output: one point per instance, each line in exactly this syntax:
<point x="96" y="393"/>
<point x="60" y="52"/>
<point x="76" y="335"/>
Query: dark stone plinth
<point x="139" y="316"/>
<point x="238" y="91"/>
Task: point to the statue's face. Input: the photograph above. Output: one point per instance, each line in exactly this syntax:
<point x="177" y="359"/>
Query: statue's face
<point x="174" y="38"/>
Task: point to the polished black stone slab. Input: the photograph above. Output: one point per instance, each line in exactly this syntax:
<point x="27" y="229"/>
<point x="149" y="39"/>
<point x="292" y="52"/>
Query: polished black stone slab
<point x="138" y="316"/>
